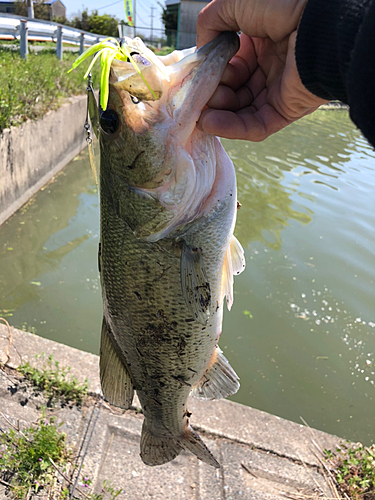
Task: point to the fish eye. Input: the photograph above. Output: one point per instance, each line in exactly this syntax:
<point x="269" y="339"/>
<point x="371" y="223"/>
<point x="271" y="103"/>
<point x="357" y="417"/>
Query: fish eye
<point x="109" y="121"/>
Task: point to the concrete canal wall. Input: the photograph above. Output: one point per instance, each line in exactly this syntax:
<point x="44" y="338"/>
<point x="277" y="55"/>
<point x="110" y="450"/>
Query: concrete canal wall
<point x="30" y="155"/>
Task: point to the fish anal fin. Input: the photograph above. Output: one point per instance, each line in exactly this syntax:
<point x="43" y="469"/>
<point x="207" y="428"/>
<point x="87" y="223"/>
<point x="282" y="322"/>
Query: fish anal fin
<point x="194" y="283"/>
<point x="115" y="380"/>
<point x="234" y="264"/>
<point x="160" y="450"/>
<point x="219" y="381"/>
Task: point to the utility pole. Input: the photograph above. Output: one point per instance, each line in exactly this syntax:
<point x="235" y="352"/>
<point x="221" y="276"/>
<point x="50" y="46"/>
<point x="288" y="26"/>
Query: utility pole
<point x="152" y="23"/>
<point x="134" y="16"/>
<point x="30" y="9"/>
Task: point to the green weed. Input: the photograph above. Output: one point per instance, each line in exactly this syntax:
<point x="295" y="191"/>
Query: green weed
<point x="108" y="492"/>
<point x="27" y="328"/>
<point x="25" y="457"/>
<point x="6" y="313"/>
<point x="55" y="381"/>
<point x="35" y="461"/>
<point x="248" y="314"/>
<point x="354" y="469"/>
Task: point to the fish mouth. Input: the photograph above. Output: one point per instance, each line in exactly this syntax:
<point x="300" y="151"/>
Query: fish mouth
<point x="195" y="86"/>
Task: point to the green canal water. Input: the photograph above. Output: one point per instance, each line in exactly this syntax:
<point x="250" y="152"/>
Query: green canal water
<point x="301" y="333"/>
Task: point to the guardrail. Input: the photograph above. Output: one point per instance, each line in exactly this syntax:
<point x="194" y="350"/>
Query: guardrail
<point x="14" y="27"/>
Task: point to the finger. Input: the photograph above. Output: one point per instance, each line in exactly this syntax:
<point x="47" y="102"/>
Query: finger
<point x="226" y="98"/>
<point x="245" y="124"/>
<point x="216" y="17"/>
<point x="275" y="19"/>
<point x="236" y="73"/>
<point x="271" y="57"/>
<point x="256" y="84"/>
<point x="242" y="65"/>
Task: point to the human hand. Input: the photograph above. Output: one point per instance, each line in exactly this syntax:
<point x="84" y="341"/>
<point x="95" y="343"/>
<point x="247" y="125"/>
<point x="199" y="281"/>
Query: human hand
<point x="261" y="91"/>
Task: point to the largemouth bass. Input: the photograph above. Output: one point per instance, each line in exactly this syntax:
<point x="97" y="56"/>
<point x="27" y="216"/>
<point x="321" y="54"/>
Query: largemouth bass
<point x="167" y="253"/>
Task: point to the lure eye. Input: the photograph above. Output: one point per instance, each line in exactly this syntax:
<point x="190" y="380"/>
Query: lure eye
<point x="109" y="121"/>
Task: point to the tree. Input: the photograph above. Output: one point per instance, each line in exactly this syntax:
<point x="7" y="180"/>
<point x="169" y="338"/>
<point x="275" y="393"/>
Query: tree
<point x="94" y="23"/>
<point x="81" y="21"/>
<point x="104" y="24"/>
<point x="170" y="21"/>
<point x="41" y="10"/>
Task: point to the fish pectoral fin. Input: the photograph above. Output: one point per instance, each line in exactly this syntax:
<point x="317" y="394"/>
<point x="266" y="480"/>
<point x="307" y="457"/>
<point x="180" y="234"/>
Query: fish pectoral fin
<point x="115" y="380"/>
<point x="160" y="450"/>
<point x="194" y="283"/>
<point x="219" y="381"/>
<point x="143" y="213"/>
<point x="234" y="263"/>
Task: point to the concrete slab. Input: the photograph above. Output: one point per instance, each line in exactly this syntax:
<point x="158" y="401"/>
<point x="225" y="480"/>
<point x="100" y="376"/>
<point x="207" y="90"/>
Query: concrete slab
<point x="263" y="457"/>
<point x="247" y="471"/>
<point x="258" y="429"/>
<point x="25" y="346"/>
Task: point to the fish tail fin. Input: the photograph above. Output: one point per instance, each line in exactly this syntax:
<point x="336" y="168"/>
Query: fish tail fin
<point x="157" y="450"/>
<point x="160" y="450"/>
<point x="191" y="441"/>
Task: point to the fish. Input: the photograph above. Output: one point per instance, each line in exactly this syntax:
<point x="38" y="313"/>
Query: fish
<point x="167" y="252"/>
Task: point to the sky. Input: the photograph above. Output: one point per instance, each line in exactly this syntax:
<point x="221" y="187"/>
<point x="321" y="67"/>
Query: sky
<point x="116" y="8"/>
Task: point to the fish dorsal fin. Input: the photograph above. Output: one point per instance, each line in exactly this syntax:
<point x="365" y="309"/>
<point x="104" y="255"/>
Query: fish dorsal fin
<point x="219" y="381"/>
<point x="194" y="283"/>
<point x="116" y="383"/>
<point x="234" y="263"/>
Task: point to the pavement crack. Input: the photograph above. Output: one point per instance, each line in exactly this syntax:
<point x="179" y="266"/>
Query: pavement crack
<point x="294" y="460"/>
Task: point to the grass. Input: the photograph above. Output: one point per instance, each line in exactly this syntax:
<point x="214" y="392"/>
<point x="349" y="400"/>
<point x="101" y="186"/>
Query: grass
<point x="25" y="457"/>
<point x="29" y="88"/>
<point x="108" y="491"/>
<point x="55" y="381"/>
<point x="36" y="462"/>
<point x="354" y="470"/>
<point x="164" y="51"/>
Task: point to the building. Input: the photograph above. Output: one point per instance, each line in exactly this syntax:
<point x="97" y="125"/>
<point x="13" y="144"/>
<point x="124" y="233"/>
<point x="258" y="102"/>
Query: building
<point x="56" y="7"/>
<point x="7" y="6"/>
<point x="187" y="12"/>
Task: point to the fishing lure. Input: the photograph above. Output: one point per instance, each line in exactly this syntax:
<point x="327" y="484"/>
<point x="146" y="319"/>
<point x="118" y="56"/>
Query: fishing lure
<point x="108" y="50"/>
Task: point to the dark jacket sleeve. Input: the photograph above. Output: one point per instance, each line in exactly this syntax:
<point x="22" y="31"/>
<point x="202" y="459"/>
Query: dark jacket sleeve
<point x="335" y="55"/>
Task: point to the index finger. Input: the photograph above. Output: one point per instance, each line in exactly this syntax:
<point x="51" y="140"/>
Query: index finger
<point x="247" y="124"/>
<point x="216" y="17"/>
